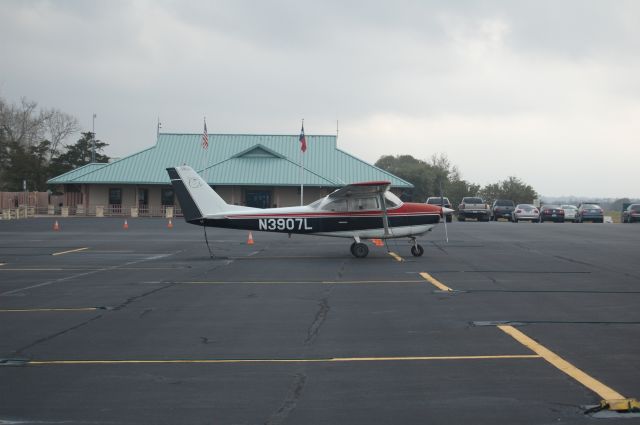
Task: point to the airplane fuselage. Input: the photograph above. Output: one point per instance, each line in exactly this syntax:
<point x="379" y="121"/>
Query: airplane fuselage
<point x="410" y="218"/>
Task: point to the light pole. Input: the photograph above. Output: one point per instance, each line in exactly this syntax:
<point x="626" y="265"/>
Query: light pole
<point x="93" y="139"/>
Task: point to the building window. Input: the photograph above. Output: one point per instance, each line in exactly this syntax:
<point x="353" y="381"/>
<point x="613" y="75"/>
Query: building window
<point x="166" y="197"/>
<point x="143" y="198"/>
<point x="258" y="198"/>
<point x="115" y="196"/>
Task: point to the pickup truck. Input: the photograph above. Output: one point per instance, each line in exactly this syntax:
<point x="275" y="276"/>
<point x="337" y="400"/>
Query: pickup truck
<point x="502" y="208"/>
<point x="437" y="200"/>
<point x="472" y="207"/>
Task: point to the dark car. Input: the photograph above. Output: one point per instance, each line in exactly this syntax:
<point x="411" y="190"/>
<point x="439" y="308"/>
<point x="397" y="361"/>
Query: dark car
<point x="589" y="212"/>
<point x="437" y="200"/>
<point x="502" y="208"/>
<point x="631" y="214"/>
<point x="551" y="213"/>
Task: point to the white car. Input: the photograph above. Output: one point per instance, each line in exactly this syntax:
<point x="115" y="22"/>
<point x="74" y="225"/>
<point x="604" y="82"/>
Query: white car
<point x="570" y="212"/>
<point x="526" y="212"/>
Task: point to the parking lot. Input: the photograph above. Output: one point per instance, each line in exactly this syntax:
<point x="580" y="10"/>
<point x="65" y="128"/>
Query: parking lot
<point x="101" y="324"/>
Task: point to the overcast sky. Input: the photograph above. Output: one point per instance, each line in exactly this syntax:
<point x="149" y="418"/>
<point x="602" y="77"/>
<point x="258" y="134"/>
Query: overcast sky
<point x="548" y="91"/>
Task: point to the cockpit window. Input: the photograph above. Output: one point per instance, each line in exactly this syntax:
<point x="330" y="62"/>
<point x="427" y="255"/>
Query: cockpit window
<point x="336" y="205"/>
<point x="391" y="200"/>
<point x="359" y="204"/>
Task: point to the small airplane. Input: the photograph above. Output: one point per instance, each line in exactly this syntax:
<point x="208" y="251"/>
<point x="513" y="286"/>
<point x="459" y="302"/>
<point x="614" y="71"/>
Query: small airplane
<point x="356" y="211"/>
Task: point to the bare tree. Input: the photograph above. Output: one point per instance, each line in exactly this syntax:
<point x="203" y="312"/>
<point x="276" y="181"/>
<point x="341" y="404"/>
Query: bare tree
<point x="21" y="124"/>
<point x="58" y="126"/>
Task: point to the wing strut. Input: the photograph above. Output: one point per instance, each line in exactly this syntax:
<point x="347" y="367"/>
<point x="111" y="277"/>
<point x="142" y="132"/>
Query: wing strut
<point x="385" y="216"/>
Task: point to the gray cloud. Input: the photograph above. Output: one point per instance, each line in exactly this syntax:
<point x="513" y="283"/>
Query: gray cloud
<point x="528" y="85"/>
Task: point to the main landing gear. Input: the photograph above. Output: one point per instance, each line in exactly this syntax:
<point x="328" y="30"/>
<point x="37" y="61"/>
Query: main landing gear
<point x="361" y="250"/>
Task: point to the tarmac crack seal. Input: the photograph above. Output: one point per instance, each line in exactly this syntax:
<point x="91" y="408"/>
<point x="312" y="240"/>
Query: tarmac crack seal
<point x="321" y="315"/>
<point x="55" y="335"/>
<point x="290" y="402"/>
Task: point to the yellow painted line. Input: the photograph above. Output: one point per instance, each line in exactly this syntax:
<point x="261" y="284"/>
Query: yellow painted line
<point x="396" y="256"/>
<point x="61" y="269"/>
<point x="279" y="282"/>
<point x="38" y="270"/>
<point x="435" y="282"/>
<point x="31" y="310"/>
<point x="70" y="251"/>
<point x="325" y="360"/>
<point x="591" y="383"/>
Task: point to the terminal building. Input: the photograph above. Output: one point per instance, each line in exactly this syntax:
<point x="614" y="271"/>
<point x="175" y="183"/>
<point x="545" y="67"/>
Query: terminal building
<point x="252" y="170"/>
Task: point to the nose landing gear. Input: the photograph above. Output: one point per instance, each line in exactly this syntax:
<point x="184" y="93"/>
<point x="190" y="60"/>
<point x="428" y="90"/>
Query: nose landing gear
<point x="416" y="250"/>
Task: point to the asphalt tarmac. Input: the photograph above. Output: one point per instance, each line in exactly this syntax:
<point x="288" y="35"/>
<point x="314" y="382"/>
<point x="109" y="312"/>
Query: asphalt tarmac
<point x="105" y="325"/>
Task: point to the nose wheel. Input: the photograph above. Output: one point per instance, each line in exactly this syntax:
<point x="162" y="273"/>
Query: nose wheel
<point x="416" y="250"/>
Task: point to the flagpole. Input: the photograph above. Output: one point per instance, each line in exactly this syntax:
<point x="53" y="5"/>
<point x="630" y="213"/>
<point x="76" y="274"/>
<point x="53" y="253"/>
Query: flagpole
<point x="205" y="145"/>
<point x="302" y="172"/>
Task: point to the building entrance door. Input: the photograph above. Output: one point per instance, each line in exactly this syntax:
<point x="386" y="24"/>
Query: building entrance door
<point x="143" y="201"/>
<point x="258" y="198"/>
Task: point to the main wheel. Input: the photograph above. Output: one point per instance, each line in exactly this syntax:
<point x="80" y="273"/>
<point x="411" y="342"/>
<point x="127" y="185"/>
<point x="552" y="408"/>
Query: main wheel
<point x="351" y="248"/>
<point x="417" y="250"/>
<point x="449" y="218"/>
<point x="359" y="250"/>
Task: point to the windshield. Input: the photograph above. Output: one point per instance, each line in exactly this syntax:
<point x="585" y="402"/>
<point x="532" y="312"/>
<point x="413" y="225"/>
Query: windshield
<point x="635" y="207"/>
<point x="503" y="203"/>
<point x="437" y="200"/>
<point x="591" y="206"/>
<point x="472" y="201"/>
<point x="391" y="200"/>
<point x="569" y="207"/>
<point x="525" y="207"/>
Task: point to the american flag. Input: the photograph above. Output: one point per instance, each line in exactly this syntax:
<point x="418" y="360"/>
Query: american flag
<point x="205" y="137"/>
<point x="303" y="140"/>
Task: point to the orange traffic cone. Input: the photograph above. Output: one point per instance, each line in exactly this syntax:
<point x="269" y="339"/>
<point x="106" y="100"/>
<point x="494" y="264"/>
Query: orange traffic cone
<point x="250" y="240"/>
<point x="56" y="226"/>
<point x="125" y="226"/>
<point x="377" y="242"/>
<point x="170" y="224"/>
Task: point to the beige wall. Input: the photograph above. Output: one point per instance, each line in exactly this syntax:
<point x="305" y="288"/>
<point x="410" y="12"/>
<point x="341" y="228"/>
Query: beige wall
<point x="285" y="196"/>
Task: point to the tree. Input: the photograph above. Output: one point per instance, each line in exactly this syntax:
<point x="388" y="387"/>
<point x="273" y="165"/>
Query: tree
<point x="21" y="123"/>
<point x="512" y="188"/>
<point x="457" y="189"/>
<point x="26" y="163"/>
<point x="77" y="155"/>
<point x="58" y="126"/>
<point x="429" y="178"/>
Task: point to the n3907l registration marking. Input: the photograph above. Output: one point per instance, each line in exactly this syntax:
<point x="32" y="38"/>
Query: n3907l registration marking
<point x="283" y="224"/>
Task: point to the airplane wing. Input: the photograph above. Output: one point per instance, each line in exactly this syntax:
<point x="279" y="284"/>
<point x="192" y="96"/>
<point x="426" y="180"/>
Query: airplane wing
<point x="361" y="189"/>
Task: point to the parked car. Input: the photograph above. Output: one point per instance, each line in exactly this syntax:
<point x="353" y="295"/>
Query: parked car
<point x="502" y="208"/>
<point x="589" y="212"/>
<point x="551" y="213"/>
<point x="525" y="212"/>
<point x="631" y="214"/>
<point x="472" y="207"/>
<point x="570" y="212"/>
<point x="437" y="200"/>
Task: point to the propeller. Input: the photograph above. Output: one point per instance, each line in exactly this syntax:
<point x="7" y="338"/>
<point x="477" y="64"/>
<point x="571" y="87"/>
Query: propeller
<point x="444" y="215"/>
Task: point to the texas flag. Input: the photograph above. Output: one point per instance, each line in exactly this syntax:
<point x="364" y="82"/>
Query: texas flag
<point x="303" y="140"/>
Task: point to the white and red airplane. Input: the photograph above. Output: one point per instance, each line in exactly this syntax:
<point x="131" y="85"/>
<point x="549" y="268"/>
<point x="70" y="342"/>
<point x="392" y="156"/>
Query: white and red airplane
<point x="357" y="211"/>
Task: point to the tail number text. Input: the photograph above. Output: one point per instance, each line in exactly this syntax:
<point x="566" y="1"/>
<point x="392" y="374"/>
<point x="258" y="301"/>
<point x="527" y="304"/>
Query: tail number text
<point x="283" y="224"/>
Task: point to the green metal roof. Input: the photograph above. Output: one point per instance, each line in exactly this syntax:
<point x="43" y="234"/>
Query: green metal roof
<point x="80" y="171"/>
<point x="236" y="159"/>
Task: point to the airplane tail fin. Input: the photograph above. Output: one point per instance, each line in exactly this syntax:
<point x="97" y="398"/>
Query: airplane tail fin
<point x="197" y="198"/>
